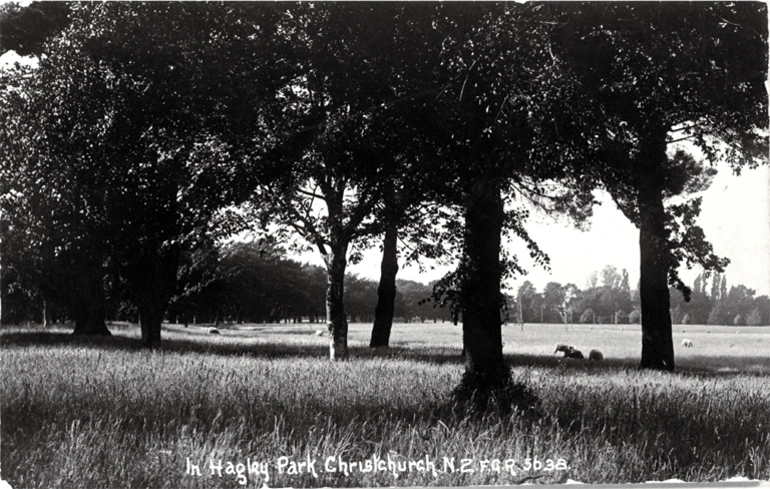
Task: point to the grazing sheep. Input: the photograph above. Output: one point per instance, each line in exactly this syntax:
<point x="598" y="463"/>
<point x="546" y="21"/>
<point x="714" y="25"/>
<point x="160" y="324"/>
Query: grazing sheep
<point x="569" y="352"/>
<point x="687" y="343"/>
<point x="561" y="347"/>
<point x="213" y="331"/>
<point x="318" y="332"/>
<point x="596" y="355"/>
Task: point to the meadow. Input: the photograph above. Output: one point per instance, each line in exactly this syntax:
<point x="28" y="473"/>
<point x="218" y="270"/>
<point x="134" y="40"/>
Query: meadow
<point x="261" y="405"/>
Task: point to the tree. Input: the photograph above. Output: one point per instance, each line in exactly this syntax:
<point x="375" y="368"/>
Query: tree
<point x="723" y="287"/>
<point x="662" y="74"/>
<point x="719" y="314"/>
<point x="408" y="212"/>
<point x="715" y="296"/>
<point x="699" y="284"/>
<point x="763" y="304"/>
<point x="386" y="292"/>
<point x="610" y="277"/>
<point x="26" y="29"/>
<point x="699" y="307"/>
<point x="48" y="194"/>
<point x="531" y="302"/>
<point x="161" y="104"/>
<point x="512" y="121"/>
<point x="553" y="301"/>
<point x="634" y="317"/>
<point x="754" y="318"/>
<point x="588" y="316"/>
<point x="593" y="280"/>
<point x="343" y="132"/>
<point x="261" y="284"/>
<point x="624" y="285"/>
<point x="739" y="302"/>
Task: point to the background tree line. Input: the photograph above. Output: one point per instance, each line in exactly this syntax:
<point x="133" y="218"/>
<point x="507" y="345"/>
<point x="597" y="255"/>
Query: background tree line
<point x="608" y="299"/>
<point x="237" y="282"/>
<point x="255" y="282"/>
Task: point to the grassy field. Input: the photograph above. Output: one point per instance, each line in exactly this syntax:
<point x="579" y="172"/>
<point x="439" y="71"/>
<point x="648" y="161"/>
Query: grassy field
<point x="264" y="403"/>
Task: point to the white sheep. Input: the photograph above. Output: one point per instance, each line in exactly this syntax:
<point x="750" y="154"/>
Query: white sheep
<point x="596" y="355"/>
<point x="213" y="331"/>
<point x="318" y="332"/>
<point x="687" y="343"/>
<point x="569" y="351"/>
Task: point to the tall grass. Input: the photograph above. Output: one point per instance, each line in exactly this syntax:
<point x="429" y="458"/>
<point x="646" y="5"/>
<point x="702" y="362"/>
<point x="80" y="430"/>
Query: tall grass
<point x="96" y="415"/>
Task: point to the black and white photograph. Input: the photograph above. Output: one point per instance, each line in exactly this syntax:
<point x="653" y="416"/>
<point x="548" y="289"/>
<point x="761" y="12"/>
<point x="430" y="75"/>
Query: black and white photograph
<point x="273" y="244"/>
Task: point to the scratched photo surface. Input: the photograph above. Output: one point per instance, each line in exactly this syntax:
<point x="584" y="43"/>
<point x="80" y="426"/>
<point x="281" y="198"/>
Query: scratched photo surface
<point x="276" y="244"/>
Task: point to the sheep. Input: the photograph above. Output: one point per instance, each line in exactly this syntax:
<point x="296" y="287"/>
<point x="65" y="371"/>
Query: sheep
<point x="213" y="331"/>
<point x="687" y="343"/>
<point x="596" y="355"/>
<point x="569" y="352"/>
<point x="318" y="332"/>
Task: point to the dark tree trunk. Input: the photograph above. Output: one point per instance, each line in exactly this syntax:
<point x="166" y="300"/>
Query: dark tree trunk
<point x="657" y="342"/>
<point x="485" y="368"/>
<point x="88" y="303"/>
<point x="153" y="289"/>
<point x="150" y="320"/>
<point x="336" y="318"/>
<point x="386" y="292"/>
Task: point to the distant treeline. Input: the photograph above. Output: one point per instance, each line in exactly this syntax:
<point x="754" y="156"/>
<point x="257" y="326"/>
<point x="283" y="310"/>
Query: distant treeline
<point x="237" y="282"/>
<point x="711" y="302"/>
<point x="256" y="282"/>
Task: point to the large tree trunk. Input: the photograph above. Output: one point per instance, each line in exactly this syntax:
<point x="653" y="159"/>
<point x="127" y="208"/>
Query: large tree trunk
<point x="657" y="342"/>
<point x="485" y="368"/>
<point x="150" y="320"/>
<point x="386" y="292"/>
<point x="88" y="303"/>
<point x="153" y="289"/>
<point x="336" y="318"/>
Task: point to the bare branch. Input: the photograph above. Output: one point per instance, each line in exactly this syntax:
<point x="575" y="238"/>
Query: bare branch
<point x="462" y="90"/>
<point x="311" y="194"/>
<point x="684" y="138"/>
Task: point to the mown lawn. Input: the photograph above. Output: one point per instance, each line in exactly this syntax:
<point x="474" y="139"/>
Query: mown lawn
<point x="105" y="413"/>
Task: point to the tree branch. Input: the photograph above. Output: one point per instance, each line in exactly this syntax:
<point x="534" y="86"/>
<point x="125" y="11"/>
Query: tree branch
<point x="311" y="194"/>
<point x="684" y="138"/>
<point x="308" y="230"/>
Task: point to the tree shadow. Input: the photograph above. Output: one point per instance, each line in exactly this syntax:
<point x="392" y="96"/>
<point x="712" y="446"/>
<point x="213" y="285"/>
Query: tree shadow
<point x="236" y="343"/>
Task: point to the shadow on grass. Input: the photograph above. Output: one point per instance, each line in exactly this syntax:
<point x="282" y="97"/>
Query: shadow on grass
<point x="194" y="342"/>
<point x="197" y="341"/>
